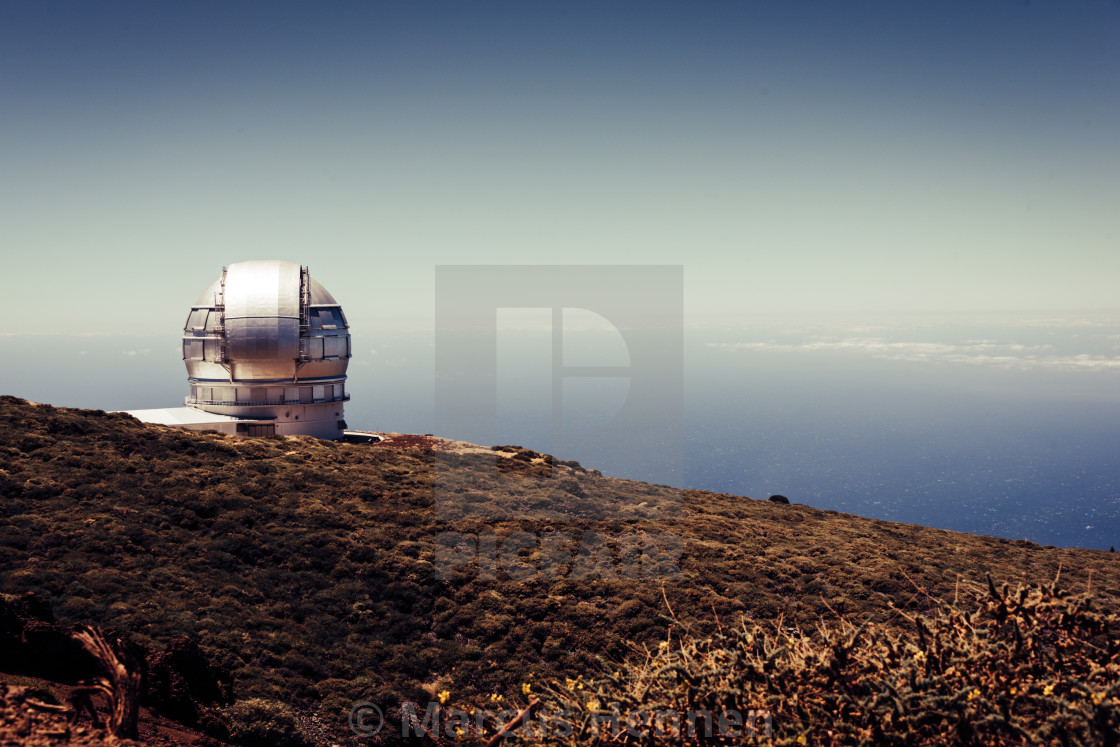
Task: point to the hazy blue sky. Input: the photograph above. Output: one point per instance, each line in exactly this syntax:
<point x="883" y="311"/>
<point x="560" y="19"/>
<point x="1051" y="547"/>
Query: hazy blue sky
<point x="791" y="155"/>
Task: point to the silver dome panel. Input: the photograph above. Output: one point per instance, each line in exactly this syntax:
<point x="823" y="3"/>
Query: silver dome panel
<point x="262" y="311"/>
<point x="267" y="340"/>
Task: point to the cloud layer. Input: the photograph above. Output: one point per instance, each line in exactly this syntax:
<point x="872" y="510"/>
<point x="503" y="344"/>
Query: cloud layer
<point x="969" y="352"/>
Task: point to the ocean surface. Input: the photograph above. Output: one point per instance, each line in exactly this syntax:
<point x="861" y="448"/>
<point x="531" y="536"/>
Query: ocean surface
<point x="1007" y="426"/>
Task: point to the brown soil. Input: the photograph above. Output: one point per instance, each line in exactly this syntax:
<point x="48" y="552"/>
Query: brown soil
<point x="27" y="719"/>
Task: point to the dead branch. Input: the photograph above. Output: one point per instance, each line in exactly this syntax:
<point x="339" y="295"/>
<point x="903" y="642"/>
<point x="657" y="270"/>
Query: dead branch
<point x="123" y="685"/>
<point x="39" y="705"/>
<point x="513" y="723"/>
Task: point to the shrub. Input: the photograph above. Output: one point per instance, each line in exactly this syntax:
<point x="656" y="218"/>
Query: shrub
<point x="1034" y="665"/>
<point x="265" y="723"/>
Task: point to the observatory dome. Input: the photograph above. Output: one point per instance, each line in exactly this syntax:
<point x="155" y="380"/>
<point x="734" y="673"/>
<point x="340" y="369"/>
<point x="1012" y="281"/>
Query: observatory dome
<point x="268" y="343"/>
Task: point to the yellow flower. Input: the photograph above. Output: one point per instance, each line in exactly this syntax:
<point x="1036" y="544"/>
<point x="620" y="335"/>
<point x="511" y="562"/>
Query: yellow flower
<point x="663" y="645"/>
<point x="1048" y="690"/>
<point x="494" y="697"/>
<point x="569" y="683"/>
<point x="592" y="705"/>
<point x="525" y="688"/>
<point x="1098" y="697"/>
<point x="974" y="694"/>
<point x="1013" y="690"/>
<point x="458" y="731"/>
<point x="444" y="696"/>
<point x="920" y="656"/>
<point x="802" y="740"/>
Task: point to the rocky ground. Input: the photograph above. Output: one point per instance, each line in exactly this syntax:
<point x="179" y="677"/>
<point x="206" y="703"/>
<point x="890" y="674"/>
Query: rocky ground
<point x="31" y="717"/>
<point x="26" y="720"/>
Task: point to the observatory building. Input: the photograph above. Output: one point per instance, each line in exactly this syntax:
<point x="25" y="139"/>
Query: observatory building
<point x="266" y="349"/>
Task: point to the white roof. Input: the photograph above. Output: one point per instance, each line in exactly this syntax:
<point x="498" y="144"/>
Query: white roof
<point x="183" y="416"/>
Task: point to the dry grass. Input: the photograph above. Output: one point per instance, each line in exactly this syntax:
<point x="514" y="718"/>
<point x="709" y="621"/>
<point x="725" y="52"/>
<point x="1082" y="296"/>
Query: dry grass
<point x="1030" y="666"/>
<point x="323" y="573"/>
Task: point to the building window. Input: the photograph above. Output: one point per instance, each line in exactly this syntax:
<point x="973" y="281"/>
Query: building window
<point x="197" y="320"/>
<point x="335" y="347"/>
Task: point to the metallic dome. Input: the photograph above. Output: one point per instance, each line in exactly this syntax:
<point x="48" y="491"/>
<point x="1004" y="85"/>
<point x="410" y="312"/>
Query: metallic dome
<point x="267" y="342"/>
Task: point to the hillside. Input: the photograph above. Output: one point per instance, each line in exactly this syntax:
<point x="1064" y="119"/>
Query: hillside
<point x="320" y="574"/>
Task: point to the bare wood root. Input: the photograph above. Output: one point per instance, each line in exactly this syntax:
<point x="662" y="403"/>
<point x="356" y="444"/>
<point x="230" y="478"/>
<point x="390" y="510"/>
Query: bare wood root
<point x="81" y="700"/>
<point x="122" y="686"/>
<point x="39" y="705"/>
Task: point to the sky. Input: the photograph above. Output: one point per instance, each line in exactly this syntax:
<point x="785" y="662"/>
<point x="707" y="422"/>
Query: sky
<point x="817" y="157"/>
<point x="898" y="222"/>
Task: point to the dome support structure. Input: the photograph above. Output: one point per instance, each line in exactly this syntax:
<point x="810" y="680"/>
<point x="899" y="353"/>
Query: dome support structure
<point x="266" y="349"/>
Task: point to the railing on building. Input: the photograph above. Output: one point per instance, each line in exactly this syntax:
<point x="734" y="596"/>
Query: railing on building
<point x="262" y="403"/>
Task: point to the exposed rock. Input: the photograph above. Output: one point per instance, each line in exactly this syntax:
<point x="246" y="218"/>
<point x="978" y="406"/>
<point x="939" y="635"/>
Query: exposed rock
<point x="32" y="643"/>
<point x="183" y="684"/>
<point x="180" y="682"/>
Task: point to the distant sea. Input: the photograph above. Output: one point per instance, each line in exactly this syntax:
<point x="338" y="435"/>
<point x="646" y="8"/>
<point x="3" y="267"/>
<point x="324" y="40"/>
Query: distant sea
<point x="1006" y="426"/>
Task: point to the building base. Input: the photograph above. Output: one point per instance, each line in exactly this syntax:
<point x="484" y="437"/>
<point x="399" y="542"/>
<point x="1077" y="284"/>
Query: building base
<point x="194" y="419"/>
